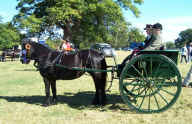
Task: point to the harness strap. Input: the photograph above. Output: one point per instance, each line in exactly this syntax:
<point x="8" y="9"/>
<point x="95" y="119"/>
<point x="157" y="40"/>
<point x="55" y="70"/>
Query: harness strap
<point x="57" y="60"/>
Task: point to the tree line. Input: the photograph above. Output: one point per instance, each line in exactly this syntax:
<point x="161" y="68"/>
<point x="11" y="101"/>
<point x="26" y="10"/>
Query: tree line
<point x="83" y="22"/>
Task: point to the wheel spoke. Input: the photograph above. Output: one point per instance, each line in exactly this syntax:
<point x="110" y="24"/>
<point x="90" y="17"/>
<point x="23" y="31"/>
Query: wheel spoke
<point x="137" y="71"/>
<point x="132" y="76"/>
<point x="128" y="92"/>
<point x="157" y="69"/>
<point x="136" y="78"/>
<point x="151" y="68"/>
<point x="145" y="71"/>
<point x="142" y="62"/>
<point x="162" y="97"/>
<point x="134" y="84"/>
<point x="167" y="84"/>
<point x="156" y="100"/>
<point x="142" y="101"/>
<point x="172" y="94"/>
<point x="139" y="93"/>
<point x="133" y="88"/>
<point x="138" y="89"/>
<point x="149" y="103"/>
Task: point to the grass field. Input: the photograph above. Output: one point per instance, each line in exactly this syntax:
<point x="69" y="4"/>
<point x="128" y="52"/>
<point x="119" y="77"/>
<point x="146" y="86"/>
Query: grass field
<point x="22" y="95"/>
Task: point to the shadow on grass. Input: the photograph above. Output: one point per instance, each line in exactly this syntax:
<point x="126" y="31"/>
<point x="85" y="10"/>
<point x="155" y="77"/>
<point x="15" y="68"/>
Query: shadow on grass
<point x="79" y="100"/>
<point x="26" y="69"/>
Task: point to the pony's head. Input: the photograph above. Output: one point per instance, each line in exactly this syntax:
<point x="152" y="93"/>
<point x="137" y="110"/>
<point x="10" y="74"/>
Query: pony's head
<point x="27" y="52"/>
<point x="33" y="51"/>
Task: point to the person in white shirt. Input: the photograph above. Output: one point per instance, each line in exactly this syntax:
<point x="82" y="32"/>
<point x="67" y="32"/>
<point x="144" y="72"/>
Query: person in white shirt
<point x="184" y="53"/>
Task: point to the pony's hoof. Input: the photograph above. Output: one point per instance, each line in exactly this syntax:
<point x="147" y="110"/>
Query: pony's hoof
<point x="54" y="102"/>
<point x="46" y="105"/>
<point x="98" y="103"/>
<point x="103" y="104"/>
<point x="95" y="102"/>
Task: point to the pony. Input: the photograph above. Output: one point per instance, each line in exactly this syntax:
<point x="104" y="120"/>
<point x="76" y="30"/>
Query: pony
<point x="48" y="59"/>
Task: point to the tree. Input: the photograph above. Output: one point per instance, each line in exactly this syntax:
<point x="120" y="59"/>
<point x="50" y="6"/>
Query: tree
<point x="170" y="45"/>
<point x="135" y="35"/>
<point x="82" y="21"/>
<point x="9" y="36"/>
<point x="1" y="18"/>
<point x="185" y="37"/>
<point x="53" y="43"/>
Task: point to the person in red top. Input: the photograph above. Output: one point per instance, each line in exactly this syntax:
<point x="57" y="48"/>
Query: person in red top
<point x="66" y="46"/>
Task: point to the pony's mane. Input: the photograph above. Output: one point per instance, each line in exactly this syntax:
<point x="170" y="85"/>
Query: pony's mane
<point x="41" y="46"/>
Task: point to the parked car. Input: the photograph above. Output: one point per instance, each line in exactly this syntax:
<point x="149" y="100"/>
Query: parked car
<point x="105" y="48"/>
<point x="118" y="49"/>
<point x="127" y="49"/>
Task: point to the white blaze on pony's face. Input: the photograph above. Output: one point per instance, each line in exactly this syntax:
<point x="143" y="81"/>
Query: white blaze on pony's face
<point x="26" y="54"/>
<point x="27" y="47"/>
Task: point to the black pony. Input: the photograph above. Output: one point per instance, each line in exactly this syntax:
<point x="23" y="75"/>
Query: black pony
<point x="48" y="58"/>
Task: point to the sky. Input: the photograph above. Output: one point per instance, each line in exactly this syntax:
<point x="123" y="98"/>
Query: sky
<point x="174" y="15"/>
<point x="8" y="9"/>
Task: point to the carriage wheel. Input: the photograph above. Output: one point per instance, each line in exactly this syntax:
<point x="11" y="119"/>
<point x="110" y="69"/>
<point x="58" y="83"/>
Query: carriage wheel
<point x="150" y="83"/>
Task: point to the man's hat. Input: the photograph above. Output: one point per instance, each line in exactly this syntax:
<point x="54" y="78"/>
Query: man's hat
<point x="148" y="26"/>
<point x="157" y="26"/>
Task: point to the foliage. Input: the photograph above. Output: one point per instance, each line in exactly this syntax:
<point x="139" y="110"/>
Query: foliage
<point x="82" y="21"/>
<point x="185" y="37"/>
<point x="9" y="36"/>
<point x="53" y="43"/>
<point x="136" y="35"/>
<point x="120" y="34"/>
<point x="1" y="18"/>
<point x="170" y="45"/>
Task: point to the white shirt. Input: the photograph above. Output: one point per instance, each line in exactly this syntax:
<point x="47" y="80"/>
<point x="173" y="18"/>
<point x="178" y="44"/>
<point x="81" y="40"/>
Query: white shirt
<point x="184" y="51"/>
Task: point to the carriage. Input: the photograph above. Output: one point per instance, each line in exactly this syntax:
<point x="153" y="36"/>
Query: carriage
<point x="149" y="80"/>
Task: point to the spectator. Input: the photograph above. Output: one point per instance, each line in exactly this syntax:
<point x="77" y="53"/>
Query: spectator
<point x="3" y="57"/>
<point x="189" y="52"/>
<point x="184" y="53"/>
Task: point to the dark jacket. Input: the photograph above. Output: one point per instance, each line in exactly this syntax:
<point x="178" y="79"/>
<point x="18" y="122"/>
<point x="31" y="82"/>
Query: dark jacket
<point x="147" y="43"/>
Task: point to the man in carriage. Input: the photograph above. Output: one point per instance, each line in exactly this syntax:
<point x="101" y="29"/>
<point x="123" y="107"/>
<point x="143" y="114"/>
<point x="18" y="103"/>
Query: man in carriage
<point x="148" y="30"/>
<point x="155" y="41"/>
<point x="152" y="42"/>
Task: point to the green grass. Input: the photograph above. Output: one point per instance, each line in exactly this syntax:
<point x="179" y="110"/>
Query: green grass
<point x="22" y="95"/>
